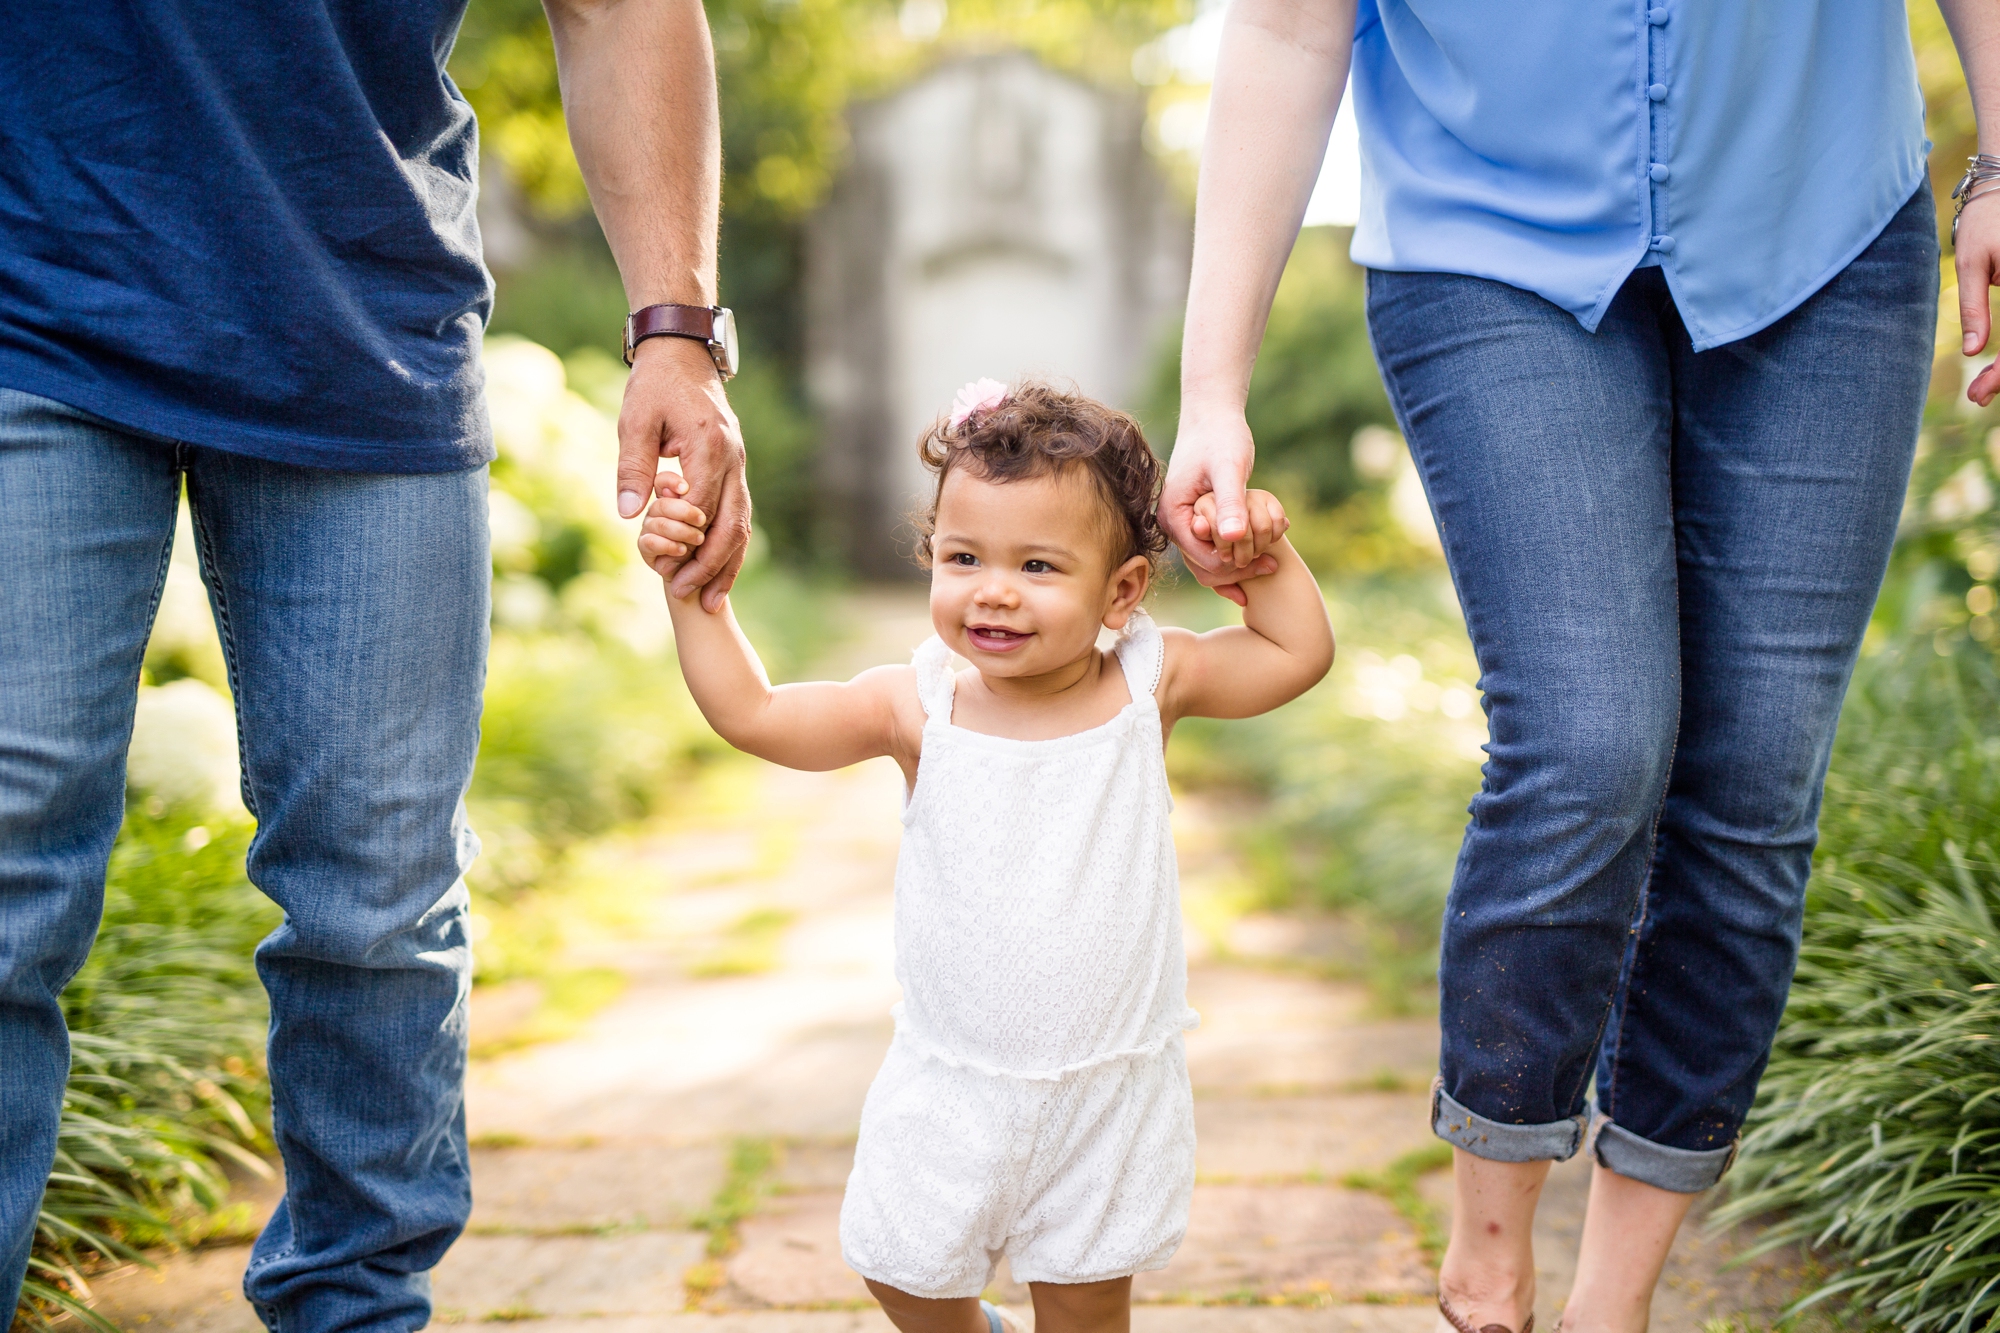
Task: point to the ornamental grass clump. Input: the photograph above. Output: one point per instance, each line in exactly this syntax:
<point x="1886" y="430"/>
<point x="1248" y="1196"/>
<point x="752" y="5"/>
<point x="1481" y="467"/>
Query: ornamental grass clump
<point x="166" y="1081"/>
<point x="1876" y="1138"/>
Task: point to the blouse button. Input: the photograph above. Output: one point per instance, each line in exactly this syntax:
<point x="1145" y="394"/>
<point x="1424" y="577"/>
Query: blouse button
<point x="1656" y="15"/>
<point x="1664" y="244"/>
<point x="1658" y="171"/>
<point x="1658" y="92"/>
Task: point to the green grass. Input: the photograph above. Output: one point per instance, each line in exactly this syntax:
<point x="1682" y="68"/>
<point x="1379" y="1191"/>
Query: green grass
<point x="1876" y="1137"/>
<point x="167" y="1084"/>
<point x="744" y="1186"/>
<point x="1397" y="1184"/>
<point x="1368" y="777"/>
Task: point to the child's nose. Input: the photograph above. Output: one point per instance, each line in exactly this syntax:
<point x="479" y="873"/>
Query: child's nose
<point x="996" y="590"/>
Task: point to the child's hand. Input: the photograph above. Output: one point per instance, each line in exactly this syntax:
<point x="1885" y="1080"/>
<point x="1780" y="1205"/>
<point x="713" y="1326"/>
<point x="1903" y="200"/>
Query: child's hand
<point x="1267" y="524"/>
<point x="673" y="527"/>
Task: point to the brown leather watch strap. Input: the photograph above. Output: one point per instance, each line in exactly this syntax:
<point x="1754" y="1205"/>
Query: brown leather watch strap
<point x="677" y="321"/>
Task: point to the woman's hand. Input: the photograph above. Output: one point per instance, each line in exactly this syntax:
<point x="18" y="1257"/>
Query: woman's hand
<point x="1212" y="457"/>
<point x="1975" y="31"/>
<point x="1278" y="81"/>
<point x="1977" y="259"/>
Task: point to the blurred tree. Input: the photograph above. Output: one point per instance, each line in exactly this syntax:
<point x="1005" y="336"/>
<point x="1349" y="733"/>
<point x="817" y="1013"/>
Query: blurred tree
<point x="788" y="70"/>
<point x="1315" y="384"/>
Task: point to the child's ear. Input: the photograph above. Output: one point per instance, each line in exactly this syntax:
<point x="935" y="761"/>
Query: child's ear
<point x="1127" y="586"/>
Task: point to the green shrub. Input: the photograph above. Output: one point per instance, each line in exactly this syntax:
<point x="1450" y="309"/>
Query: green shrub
<point x="167" y="1032"/>
<point x="1369" y="773"/>
<point x="1877" y="1131"/>
<point x="1315" y="383"/>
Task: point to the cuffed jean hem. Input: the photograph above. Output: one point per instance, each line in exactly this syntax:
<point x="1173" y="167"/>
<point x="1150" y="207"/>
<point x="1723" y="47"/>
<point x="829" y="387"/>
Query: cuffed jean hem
<point x="1679" y="1170"/>
<point x="1556" y="1141"/>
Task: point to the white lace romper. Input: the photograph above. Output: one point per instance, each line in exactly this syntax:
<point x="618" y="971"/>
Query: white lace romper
<point x="1035" y="1101"/>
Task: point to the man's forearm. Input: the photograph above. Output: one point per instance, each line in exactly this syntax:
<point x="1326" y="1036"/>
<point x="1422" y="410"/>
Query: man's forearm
<point x="1277" y="86"/>
<point x="638" y="85"/>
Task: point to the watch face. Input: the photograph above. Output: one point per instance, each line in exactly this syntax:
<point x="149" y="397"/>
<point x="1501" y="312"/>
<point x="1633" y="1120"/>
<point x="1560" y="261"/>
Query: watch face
<point x="726" y="328"/>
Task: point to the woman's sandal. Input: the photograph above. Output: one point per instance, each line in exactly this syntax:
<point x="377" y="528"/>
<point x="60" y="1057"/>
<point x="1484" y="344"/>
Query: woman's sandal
<point x="1451" y="1317"/>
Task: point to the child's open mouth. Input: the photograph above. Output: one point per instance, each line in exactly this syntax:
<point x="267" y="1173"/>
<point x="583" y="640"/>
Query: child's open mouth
<point x="993" y="639"/>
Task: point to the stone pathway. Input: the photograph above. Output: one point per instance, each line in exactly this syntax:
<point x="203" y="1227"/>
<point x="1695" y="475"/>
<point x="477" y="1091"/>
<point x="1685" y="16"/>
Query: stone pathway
<point x="679" y="1161"/>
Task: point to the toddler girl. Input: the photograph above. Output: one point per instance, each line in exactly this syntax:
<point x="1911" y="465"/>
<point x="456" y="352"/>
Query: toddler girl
<point x="1035" y="1101"/>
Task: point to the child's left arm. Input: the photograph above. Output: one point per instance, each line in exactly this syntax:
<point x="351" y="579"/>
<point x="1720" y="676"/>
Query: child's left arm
<point x="1281" y="650"/>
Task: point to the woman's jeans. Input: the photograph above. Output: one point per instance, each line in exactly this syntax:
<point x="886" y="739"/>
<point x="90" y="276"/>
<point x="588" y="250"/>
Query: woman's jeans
<point x="353" y="611"/>
<point x="1666" y="560"/>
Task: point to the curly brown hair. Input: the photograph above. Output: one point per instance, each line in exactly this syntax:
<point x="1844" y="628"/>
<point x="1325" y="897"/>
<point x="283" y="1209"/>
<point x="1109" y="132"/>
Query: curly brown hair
<point x="1040" y="430"/>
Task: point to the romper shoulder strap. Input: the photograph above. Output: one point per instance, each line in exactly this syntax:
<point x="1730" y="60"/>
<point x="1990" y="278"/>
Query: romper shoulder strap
<point x="935" y="679"/>
<point x="1142" y="652"/>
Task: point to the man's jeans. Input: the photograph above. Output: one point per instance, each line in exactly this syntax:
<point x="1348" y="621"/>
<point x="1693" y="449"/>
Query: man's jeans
<point x="1667" y="560"/>
<point x="353" y="610"/>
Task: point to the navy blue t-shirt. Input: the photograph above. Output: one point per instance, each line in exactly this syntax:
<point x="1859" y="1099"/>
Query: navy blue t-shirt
<point x="246" y="225"/>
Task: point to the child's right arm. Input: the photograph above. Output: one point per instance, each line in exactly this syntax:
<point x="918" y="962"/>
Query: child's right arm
<point x="814" y="725"/>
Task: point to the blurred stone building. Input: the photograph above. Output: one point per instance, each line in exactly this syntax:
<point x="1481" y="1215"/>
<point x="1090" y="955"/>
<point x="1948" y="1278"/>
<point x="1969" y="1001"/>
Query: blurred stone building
<point x="996" y="219"/>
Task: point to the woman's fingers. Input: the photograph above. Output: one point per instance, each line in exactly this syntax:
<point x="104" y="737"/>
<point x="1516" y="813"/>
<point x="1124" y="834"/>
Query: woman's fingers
<point x="1978" y="263"/>
<point x="1212" y="455"/>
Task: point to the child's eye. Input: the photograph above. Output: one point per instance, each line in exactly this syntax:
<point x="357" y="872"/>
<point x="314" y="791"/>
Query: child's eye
<point x="1039" y="567"/>
<point x="964" y="560"/>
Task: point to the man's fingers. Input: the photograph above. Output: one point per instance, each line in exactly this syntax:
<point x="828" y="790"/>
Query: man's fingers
<point x="1232" y="592"/>
<point x="727" y="536"/>
<point x="719" y="586"/>
<point x="638" y="464"/>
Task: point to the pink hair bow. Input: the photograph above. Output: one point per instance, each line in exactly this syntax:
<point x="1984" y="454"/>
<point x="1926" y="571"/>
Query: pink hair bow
<point x="982" y="395"/>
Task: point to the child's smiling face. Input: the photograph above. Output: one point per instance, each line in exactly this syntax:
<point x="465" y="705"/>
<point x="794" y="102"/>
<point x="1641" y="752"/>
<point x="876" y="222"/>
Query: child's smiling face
<point x="1023" y="573"/>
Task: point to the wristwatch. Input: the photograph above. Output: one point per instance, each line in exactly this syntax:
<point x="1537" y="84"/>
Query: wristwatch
<point x="711" y="324"/>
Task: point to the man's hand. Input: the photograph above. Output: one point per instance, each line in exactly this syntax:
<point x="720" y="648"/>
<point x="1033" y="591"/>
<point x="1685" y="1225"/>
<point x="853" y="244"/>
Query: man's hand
<point x="1978" y="262"/>
<point x="675" y="407"/>
<point x="638" y="90"/>
<point x="1212" y="457"/>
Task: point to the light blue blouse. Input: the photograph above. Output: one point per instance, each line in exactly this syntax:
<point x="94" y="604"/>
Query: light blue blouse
<point x="1752" y="147"/>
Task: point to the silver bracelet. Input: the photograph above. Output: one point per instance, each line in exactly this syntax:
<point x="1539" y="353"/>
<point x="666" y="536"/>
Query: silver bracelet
<point x="1980" y="169"/>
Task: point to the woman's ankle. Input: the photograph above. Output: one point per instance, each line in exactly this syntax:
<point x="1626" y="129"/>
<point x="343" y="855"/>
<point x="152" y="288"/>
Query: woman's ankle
<point x="1488" y="1295"/>
<point x="1488" y="1274"/>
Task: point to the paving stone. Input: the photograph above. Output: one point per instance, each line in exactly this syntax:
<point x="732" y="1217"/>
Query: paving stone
<point x="1145" y="1319"/>
<point x="1308" y="937"/>
<point x="809" y="1167"/>
<point x="790" y="1255"/>
<point x="789" y="1053"/>
<point x="1322" y="1137"/>
<point x="1415" y="1318"/>
<point x="870" y="1320"/>
<point x="568" y="1189"/>
<point x="1296" y="1240"/>
<point x="497" y="1012"/>
<point x="200" y="1292"/>
<point x="1267" y="1030"/>
<point x="520" y="1276"/>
